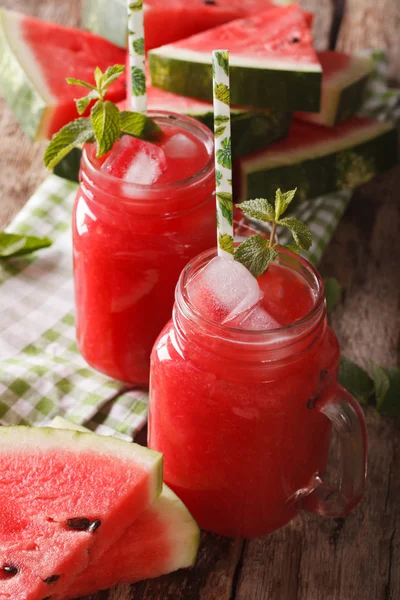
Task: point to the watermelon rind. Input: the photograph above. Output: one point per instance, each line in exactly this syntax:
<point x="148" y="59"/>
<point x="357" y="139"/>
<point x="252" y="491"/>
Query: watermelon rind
<point x="286" y="86"/>
<point x="107" y="18"/>
<point x="343" y="163"/>
<point x="28" y="104"/>
<point x="342" y="94"/>
<point x="28" y="439"/>
<point x="61" y="423"/>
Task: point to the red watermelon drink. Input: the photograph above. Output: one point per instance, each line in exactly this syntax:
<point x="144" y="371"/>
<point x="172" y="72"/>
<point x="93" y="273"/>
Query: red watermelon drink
<point x="243" y="396"/>
<point x="141" y="212"/>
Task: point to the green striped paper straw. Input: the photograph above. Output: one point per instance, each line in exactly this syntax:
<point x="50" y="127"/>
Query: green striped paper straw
<point x="136" y="77"/>
<point x="223" y="155"/>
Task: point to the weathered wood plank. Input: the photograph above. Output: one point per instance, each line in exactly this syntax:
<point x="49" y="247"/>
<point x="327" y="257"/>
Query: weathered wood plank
<point x="323" y="14"/>
<point x="373" y="24"/>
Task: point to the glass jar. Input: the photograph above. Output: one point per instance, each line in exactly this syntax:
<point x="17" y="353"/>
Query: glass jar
<point x="244" y="418"/>
<point x="130" y="243"/>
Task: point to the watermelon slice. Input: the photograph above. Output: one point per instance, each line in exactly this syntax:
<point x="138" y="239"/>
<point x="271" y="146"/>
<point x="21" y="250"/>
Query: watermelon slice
<point x="35" y="58"/>
<point x="165" y="20"/>
<point x="318" y="160"/>
<point x="163" y="539"/>
<point x="272" y="62"/>
<point x="65" y="498"/>
<point x="343" y="83"/>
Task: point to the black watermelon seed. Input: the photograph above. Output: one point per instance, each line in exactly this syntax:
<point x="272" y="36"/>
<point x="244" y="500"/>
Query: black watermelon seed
<point x="10" y="569"/>
<point x="51" y="579"/>
<point x="295" y="40"/>
<point x="47" y="598"/>
<point x="210" y="2"/>
<point x="78" y="523"/>
<point x="94" y="525"/>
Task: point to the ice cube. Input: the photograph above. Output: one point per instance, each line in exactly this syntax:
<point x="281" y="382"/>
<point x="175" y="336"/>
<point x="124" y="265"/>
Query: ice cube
<point x="223" y="289"/>
<point x="180" y="146"/>
<point x="255" y="319"/>
<point x="136" y="161"/>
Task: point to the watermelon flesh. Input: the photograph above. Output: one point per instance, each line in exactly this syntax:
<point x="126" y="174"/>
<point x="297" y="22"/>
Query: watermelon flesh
<point x="35" y="58"/>
<point x="65" y="498"/>
<point x="272" y="61"/>
<point x="343" y="83"/>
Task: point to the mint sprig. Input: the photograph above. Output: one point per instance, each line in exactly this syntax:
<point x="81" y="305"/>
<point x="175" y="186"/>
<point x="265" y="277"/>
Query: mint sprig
<point x="106" y="123"/>
<point x="13" y="244"/>
<point x="256" y="253"/>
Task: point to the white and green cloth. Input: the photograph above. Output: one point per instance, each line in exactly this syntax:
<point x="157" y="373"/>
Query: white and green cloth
<point x="42" y="373"/>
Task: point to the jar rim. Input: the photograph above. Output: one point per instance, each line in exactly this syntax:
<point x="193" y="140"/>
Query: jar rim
<point x="193" y="125"/>
<point x="294" y="330"/>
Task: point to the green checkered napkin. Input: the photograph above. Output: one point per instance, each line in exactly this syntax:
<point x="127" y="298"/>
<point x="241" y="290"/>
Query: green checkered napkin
<point x="42" y="373"/>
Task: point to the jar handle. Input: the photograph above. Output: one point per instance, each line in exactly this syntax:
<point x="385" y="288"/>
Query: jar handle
<point x="348" y="420"/>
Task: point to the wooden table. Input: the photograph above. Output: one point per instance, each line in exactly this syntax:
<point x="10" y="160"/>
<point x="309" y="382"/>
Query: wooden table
<point x="357" y="558"/>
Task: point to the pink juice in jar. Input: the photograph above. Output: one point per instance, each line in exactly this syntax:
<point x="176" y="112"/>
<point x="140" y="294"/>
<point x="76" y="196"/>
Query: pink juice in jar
<point x="141" y="213"/>
<point x="236" y="381"/>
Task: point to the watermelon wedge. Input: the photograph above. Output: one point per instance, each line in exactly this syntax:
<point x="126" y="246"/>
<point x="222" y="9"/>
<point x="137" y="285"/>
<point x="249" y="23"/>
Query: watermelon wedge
<point x="163" y="539"/>
<point x="272" y="62"/>
<point x="35" y="58"/>
<point x="65" y="498"/>
<point x="165" y="20"/>
<point x="318" y="160"/>
<point x="343" y="83"/>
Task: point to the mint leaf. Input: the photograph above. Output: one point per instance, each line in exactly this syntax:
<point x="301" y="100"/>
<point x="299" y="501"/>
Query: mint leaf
<point x="73" y="81"/>
<point x="222" y="93"/>
<point x="98" y="77"/>
<point x="282" y="201"/>
<point x="259" y="208"/>
<point x="219" y="131"/>
<point x="136" y="5"/>
<point x="381" y="383"/>
<point x="390" y="402"/>
<point x="218" y="177"/>
<point x="355" y="380"/>
<point x="220" y="120"/>
<point x="333" y="293"/>
<point x="300" y="231"/>
<point x="106" y="122"/>
<point x="225" y="242"/>
<point x="138" y="125"/>
<point x="292" y="248"/>
<point x="72" y="135"/>
<point x="111" y="74"/>
<point x="12" y="244"/>
<point x="223" y="61"/>
<point x="138" y="46"/>
<point x="255" y="255"/>
<point x="138" y="82"/>
<point x="83" y="103"/>
<point x="225" y="204"/>
<point x="224" y="157"/>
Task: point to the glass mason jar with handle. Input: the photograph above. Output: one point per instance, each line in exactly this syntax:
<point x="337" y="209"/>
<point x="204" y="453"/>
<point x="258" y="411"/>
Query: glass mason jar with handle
<point x="244" y="418"/>
<point x="131" y="241"/>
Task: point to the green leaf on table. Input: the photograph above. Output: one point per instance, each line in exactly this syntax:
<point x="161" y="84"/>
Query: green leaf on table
<point x="389" y="402"/>
<point x="259" y="208"/>
<point x="300" y="231"/>
<point x="72" y="135"/>
<point x="255" y="254"/>
<point x="12" y="244"/>
<point x="333" y="293"/>
<point x="224" y="157"/>
<point x="222" y="93"/>
<point x="139" y="125"/>
<point x="282" y="201"/>
<point x="138" y="82"/>
<point x="138" y="5"/>
<point x="106" y="123"/>
<point x="225" y="242"/>
<point x="218" y="177"/>
<point x="138" y="46"/>
<point x="225" y="205"/>
<point x="223" y="61"/>
<point x="220" y="120"/>
<point x="381" y="383"/>
<point x="355" y="380"/>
